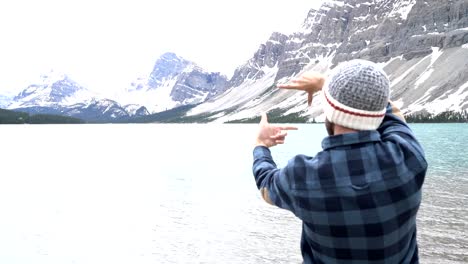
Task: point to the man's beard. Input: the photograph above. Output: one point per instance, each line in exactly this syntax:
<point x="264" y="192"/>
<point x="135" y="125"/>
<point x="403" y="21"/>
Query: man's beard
<point x="330" y="127"/>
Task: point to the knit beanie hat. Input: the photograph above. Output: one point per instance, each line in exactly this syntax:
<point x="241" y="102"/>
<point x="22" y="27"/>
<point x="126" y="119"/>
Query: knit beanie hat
<point x="356" y="95"/>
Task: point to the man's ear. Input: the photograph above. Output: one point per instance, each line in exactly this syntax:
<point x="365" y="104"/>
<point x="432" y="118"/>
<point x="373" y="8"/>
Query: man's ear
<point x="330" y="127"/>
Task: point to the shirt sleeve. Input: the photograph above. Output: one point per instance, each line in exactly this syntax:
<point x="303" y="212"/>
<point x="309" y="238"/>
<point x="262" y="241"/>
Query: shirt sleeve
<point x="394" y="122"/>
<point x="394" y="128"/>
<point x="271" y="181"/>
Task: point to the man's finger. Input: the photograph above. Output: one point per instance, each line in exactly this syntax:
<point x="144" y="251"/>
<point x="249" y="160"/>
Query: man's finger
<point x="309" y="99"/>
<point x="287" y="86"/>
<point x="294" y="86"/>
<point x="288" y="128"/>
<point x="297" y="81"/>
<point x="281" y="135"/>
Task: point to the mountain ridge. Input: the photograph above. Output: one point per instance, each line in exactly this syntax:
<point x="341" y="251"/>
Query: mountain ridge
<point x="173" y="82"/>
<point x="421" y="44"/>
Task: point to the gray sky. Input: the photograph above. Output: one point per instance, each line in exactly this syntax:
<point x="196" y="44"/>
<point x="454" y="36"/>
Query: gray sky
<point x="105" y="45"/>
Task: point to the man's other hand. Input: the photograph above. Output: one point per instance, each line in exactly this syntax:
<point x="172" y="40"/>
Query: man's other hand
<point x="271" y="135"/>
<point x="310" y="82"/>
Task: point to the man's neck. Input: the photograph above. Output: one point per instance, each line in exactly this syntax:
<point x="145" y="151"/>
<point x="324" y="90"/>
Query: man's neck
<point x="338" y="130"/>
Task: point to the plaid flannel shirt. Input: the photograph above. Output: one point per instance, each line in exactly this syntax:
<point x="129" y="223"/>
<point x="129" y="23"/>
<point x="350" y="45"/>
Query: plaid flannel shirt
<point x="358" y="198"/>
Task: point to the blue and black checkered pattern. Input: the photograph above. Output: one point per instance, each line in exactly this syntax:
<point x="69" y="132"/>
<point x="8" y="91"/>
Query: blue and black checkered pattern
<point x="358" y="198"/>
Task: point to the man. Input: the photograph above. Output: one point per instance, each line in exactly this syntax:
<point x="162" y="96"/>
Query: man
<point x="358" y="198"/>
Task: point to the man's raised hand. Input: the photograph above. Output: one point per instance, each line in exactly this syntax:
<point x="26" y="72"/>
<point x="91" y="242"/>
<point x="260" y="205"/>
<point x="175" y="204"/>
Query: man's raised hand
<point x="310" y="82"/>
<point x="271" y="135"/>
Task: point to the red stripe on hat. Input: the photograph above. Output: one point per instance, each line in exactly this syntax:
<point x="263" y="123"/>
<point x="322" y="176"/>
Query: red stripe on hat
<point x="351" y="112"/>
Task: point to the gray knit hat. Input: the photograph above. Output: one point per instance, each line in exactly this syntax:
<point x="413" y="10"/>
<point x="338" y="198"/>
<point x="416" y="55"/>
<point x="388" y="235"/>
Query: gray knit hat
<point x="356" y="95"/>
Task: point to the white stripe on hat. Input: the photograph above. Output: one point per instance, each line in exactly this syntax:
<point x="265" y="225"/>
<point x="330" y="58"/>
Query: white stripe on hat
<point x="349" y="117"/>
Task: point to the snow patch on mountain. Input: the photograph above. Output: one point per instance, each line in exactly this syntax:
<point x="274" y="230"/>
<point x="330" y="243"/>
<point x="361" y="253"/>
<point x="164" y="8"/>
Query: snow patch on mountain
<point x="332" y="3"/>
<point x="403" y="76"/>
<point x="136" y="110"/>
<point x="402" y="8"/>
<point x="436" y="53"/>
<point x="452" y="100"/>
<point x="155" y="100"/>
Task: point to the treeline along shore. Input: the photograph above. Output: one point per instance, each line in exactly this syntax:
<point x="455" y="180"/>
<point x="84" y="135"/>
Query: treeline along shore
<point x="444" y="117"/>
<point x="14" y="117"/>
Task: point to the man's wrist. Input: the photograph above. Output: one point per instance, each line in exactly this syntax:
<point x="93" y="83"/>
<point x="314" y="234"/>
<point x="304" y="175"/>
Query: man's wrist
<point x="260" y="144"/>
<point x="396" y="111"/>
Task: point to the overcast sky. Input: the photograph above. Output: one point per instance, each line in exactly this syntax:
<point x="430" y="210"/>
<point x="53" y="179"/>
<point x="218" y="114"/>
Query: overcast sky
<point x="104" y="45"/>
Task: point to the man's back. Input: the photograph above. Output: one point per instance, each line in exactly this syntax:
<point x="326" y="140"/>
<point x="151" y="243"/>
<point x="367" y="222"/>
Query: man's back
<point x="358" y="198"/>
<point x="363" y="203"/>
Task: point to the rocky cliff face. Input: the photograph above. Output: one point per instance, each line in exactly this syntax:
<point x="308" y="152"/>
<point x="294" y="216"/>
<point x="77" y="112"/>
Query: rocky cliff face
<point x="136" y="110"/>
<point x="168" y="66"/>
<point x="267" y="56"/>
<point x="420" y="43"/>
<point x="196" y="86"/>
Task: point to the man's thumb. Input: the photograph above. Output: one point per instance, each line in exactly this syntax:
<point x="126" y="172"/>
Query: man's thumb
<point x="264" y="119"/>
<point x="310" y="98"/>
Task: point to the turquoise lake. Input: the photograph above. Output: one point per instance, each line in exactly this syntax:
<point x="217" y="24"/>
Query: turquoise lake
<point x="185" y="194"/>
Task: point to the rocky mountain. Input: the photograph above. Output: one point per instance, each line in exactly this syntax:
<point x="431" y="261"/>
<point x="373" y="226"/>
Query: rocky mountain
<point x="173" y="82"/>
<point x="136" y="110"/>
<point x="53" y="90"/>
<point x="421" y="44"/>
<point x="98" y="110"/>
<point x="58" y="94"/>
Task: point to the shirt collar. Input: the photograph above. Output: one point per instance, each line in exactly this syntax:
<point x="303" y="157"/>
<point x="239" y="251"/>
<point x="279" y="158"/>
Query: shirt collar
<point x="350" y="139"/>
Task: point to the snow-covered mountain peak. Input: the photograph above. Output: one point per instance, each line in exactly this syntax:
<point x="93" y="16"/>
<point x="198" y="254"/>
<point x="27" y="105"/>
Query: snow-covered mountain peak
<point x="171" y="56"/>
<point x="166" y="67"/>
<point x="52" y="89"/>
<point x="174" y="81"/>
<point x="58" y="94"/>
